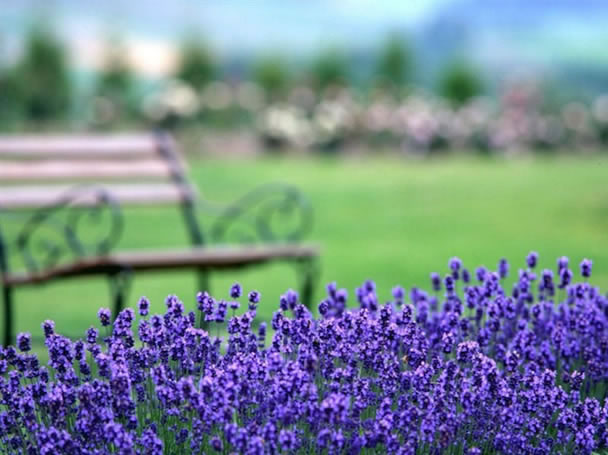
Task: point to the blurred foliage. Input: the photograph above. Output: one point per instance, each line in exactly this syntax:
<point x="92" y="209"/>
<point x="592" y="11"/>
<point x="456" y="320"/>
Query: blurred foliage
<point x="325" y="104"/>
<point x="330" y="68"/>
<point x="115" y="85"/>
<point x="394" y="63"/>
<point x="115" y="79"/>
<point x="9" y="99"/>
<point x="197" y="65"/>
<point x="459" y="82"/>
<point x="39" y="86"/>
<point x="272" y="75"/>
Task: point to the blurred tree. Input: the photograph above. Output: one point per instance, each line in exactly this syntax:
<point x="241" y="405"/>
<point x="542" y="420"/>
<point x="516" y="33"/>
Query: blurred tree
<point x="197" y="64"/>
<point x="114" y="86"/>
<point x="10" y="110"/>
<point x="330" y="68"/>
<point x="394" y="63"/>
<point x="272" y="75"/>
<point x="8" y="105"/>
<point x="116" y="78"/>
<point x="41" y="78"/>
<point x="460" y="82"/>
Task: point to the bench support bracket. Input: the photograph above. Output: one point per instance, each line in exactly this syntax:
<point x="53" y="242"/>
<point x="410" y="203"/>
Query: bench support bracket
<point x="120" y="283"/>
<point x="7" y="299"/>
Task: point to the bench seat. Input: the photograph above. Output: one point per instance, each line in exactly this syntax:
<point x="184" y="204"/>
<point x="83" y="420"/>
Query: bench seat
<point x="192" y="258"/>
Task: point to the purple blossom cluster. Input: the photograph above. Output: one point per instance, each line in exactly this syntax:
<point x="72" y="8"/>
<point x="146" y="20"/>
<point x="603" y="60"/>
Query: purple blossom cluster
<point x="466" y="368"/>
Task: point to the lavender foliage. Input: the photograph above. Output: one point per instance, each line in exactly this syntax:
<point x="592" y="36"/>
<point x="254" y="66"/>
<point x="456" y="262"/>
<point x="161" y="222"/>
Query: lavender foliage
<point x="477" y="370"/>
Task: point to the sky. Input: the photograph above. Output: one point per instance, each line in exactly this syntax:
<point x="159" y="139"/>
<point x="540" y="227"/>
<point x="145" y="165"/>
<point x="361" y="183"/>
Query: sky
<point x="150" y="28"/>
<point x="499" y="35"/>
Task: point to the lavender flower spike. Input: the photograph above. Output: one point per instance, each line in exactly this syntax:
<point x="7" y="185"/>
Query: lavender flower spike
<point x="586" y="265"/>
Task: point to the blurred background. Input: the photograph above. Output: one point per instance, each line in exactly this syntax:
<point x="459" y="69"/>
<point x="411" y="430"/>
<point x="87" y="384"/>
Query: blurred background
<point x="419" y="130"/>
<point x="338" y="75"/>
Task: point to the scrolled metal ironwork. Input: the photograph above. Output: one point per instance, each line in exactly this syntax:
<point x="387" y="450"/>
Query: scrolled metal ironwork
<point x="79" y="203"/>
<point x="270" y="213"/>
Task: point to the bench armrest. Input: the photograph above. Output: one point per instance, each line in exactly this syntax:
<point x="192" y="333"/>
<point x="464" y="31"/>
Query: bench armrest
<point x="54" y="231"/>
<point x="270" y="213"/>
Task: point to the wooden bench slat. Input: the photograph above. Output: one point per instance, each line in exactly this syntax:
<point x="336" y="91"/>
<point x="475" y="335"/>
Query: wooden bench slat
<point x="79" y="170"/>
<point x="137" y="194"/>
<point x="209" y="257"/>
<point x="79" y="146"/>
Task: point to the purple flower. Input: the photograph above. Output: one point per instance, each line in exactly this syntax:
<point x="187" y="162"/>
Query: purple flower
<point x="283" y="303"/>
<point x="449" y="284"/>
<point x="481" y="273"/>
<point x="24" y="341"/>
<point x="586" y="265"/>
<point x="398" y="293"/>
<point x="151" y="442"/>
<point x="48" y="327"/>
<point x="547" y="283"/>
<point x="236" y="291"/>
<point x="205" y="303"/>
<point x="455" y="264"/>
<point x="220" y="314"/>
<point x="104" y="316"/>
<point x="216" y="444"/>
<point x="287" y="440"/>
<point x="254" y="297"/>
<point x="92" y="335"/>
<point x="117" y="435"/>
<point x="144" y="306"/>
<point x="436" y="281"/>
<point x="565" y="276"/>
<point x="292" y="298"/>
<point x="201" y="298"/>
<point x="503" y="268"/>
<point x="532" y="259"/>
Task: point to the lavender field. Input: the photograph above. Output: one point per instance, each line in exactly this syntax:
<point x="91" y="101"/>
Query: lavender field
<point x="465" y="366"/>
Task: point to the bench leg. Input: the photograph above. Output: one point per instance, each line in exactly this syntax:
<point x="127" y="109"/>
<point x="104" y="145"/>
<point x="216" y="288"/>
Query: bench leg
<point x="119" y="287"/>
<point x="203" y="281"/>
<point x="7" y="298"/>
<point x="310" y="275"/>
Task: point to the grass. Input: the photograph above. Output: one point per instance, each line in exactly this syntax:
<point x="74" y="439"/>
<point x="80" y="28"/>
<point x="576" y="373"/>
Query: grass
<point x="387" y="219"/>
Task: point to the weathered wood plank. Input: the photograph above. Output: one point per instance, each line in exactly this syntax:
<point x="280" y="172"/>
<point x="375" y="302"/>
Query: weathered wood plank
<point x="136" y="194"/>
<point x="81" y="170"/>
<point x="212" y="258"/>
<point x="79" y="146"/>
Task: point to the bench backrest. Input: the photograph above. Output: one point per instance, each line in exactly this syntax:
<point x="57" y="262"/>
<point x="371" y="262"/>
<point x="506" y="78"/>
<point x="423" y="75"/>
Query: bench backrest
<point x="90" y="172"/>
<point x="134" y="168"/>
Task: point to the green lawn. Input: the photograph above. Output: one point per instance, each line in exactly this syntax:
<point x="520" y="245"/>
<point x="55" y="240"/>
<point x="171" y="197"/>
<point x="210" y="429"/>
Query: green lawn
<point x="388" y="219"/>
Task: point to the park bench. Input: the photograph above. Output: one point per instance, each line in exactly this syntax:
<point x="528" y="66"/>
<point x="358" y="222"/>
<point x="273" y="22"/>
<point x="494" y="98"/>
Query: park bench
<point x="49" y="185"/>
